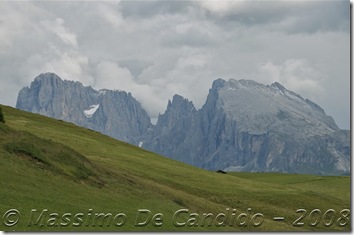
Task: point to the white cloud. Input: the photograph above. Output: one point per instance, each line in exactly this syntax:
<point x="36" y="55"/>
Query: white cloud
<point x="57" y="27"/>
<point x="296" y="75"/>
<point x="111" y="13"/>
<point x="11" y="24"/>
<point x="156" y="49"/>
<point x="196" y="62"/>
<point x="223" y="6"/>
<point x="69" y="66"/>
<point x="16" y="20"/>
<point x="111" y="75"/>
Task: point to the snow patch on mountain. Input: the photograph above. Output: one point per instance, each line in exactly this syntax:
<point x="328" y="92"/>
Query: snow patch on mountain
<point x="102" y="91"/>
<point x="89" y="112"/>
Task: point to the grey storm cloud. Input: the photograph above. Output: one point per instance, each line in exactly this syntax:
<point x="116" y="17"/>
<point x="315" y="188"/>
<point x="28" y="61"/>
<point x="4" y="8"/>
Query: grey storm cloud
<point x="136" y="9"/>
<point x="156" y="49"/>
<point x="285" y="16"/>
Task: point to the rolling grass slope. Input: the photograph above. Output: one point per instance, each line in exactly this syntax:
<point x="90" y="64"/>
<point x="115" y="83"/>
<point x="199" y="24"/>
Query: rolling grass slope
<point x="58" y="166"/>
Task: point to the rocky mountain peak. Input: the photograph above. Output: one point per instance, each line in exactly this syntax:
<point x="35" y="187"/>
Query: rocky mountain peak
<point x="52" y="77"/>
<point x="180" y="104"/>
<point x="259" y="108"/>
<point x="177" y="109"/>
<point x="243" y="125"/>
<point x="248" y="126"/>
<point x="218" y="83"/>
<point x="278" y="86"/>
<point x="112" y="112"/>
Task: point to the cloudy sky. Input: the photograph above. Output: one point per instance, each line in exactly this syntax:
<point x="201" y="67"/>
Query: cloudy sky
<point x="156" y="49"/>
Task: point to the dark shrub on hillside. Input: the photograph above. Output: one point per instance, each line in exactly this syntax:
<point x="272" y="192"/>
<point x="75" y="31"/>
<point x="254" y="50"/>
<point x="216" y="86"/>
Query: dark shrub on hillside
<point x="2" y="118"/>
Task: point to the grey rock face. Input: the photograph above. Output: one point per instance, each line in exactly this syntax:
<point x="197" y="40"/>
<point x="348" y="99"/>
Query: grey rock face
<point x="243" y="125"/>
<point x="248" y="126"/>
<point x="115" y="113"/>
<point x="170" y="136"/>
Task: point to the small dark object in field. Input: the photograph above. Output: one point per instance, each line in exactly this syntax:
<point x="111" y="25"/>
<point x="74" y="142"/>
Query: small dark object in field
<point x="221" y="172"/>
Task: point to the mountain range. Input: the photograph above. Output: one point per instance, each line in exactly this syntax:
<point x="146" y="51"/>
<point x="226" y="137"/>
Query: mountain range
<point x="243" y="125"/>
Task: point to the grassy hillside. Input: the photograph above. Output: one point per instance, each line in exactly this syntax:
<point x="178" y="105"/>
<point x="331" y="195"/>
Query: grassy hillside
<point x="54" y="165"/>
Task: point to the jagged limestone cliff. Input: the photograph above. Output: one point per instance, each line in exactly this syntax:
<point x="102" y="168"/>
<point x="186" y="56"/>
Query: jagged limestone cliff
<point x="243" y="125"/>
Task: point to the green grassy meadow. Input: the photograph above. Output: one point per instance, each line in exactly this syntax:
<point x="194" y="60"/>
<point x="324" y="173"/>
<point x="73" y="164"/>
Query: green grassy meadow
<point x="75" y="173"/>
